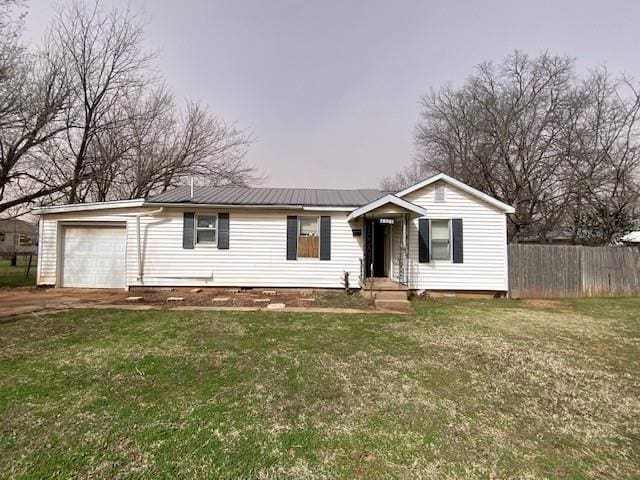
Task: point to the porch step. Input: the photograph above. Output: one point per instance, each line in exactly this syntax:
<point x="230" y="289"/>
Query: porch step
<point x="382" y="284"/>
<point x="396" y="305"/>
<point x="391" y="295"/>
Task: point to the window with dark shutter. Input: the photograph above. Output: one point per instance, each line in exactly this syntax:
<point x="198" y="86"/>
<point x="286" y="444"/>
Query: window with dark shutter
<point x="423" y="240"/>
<point x="325" y="238"/>
<point x="292" y="237"/>
<point x="223" y="231"/>
<point x="188" y="230"/>
<point x="456" y="230"/>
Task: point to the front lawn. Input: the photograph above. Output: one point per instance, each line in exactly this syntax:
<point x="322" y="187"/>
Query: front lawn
<point x="471" y="389"/>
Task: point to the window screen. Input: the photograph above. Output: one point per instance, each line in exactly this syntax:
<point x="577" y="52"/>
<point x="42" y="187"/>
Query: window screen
<point x="206" y="228"/>
<point x="440" y="240"/>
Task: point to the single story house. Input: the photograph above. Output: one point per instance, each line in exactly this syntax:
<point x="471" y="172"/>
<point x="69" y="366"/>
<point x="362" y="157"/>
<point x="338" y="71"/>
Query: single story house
<point x="18" y="237"/>
<point x="439" y="234"/>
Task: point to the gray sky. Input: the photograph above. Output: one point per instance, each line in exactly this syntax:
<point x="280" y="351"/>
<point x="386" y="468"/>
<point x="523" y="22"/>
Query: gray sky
<point x="331" y="88"/>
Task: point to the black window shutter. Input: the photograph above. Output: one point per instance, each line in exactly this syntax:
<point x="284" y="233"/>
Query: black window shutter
<point x="325" y="238"/>
<point x="223" y="231"/>
<point x="423" y="240"/>
<point x="188" y="230"/>
<point x="456" y="229"/>
<point x="292" y="237"/>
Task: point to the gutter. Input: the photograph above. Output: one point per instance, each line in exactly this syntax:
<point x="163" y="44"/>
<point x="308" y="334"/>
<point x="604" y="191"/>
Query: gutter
<point x="83" y="207"/>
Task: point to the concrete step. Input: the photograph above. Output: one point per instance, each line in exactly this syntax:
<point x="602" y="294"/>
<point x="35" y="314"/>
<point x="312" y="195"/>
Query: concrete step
<point x="382" y="284"/>
<point x="391" y="295"/>
<point x="396" y="305"/>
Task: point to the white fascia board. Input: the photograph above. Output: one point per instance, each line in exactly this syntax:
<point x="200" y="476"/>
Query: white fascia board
<point x="140" y="202"/>
<point x="462" y="186"/>
<point x="389" y="198"/>
<point x="82" y="207"/>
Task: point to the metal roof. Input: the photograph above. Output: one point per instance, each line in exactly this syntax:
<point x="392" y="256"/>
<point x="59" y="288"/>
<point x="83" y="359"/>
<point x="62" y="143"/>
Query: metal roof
<point x="268" y="196"/>
<point x="15" y="225"/>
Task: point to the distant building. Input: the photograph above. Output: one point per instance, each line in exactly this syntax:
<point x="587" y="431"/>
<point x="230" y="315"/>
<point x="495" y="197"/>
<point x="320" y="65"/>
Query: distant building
<point x="557" y="236"/>
<point x="564" y="236"/>
<point x="632" y="239"/>
<point x="18" y="237"/>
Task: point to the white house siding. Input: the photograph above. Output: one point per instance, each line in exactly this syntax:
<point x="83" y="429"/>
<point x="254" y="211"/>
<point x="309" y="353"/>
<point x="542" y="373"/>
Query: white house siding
<point x="256" y="256"/>
<point x="484" y="242"/>
<point x="47" y="251"/>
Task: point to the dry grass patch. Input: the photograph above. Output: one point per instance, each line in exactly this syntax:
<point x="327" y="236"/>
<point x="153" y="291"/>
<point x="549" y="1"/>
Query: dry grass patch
<point x="462" y="389"/>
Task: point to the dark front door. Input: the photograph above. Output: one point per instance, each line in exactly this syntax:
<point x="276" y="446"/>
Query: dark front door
<point x="378" y="249"/>
<point x="374" y="248"/>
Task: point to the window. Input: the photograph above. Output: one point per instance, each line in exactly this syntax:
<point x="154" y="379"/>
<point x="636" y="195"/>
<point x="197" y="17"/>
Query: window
<point x="439" y="196"/>
<point x="308" y="237"/>
<point x="206" y="229"/>
<point x="2" y="237"/>
<point x="440" y="240"/>
<point x="25" y="240"/>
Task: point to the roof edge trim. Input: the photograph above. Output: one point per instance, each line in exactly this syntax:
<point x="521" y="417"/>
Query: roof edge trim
<point x="462" y="186"/>
<point x="79" y="207"/>
<point x="389" y="198"/>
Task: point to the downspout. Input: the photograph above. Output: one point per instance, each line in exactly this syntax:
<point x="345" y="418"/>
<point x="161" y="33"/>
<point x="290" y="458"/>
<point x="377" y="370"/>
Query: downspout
<point x="138" y="215"/>
<point x="139" y="235"/>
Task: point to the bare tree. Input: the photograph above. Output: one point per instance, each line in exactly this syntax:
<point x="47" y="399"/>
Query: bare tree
<point x="87" y="119"/>
<point x="603" y="159"/>
<point x="528" y="132"/>
<point x="34" y="99"/>
<point x="104" y="58"/>
<point x="157" y="146"/>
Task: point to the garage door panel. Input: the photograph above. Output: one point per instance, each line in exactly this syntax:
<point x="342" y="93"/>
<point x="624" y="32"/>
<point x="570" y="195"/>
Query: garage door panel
<point x="94" y="257"/>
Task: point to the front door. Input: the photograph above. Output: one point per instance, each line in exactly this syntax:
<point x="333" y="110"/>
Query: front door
<point x="374" y="248"/>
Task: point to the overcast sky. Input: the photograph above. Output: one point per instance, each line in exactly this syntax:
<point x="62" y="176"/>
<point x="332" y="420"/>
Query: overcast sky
<point x="331" y="88"/>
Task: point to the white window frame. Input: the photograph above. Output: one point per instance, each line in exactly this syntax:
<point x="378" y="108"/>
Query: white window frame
<point x="300" y="217"/>
<point x="450" y="259"/>
<point x="196" y="228"/>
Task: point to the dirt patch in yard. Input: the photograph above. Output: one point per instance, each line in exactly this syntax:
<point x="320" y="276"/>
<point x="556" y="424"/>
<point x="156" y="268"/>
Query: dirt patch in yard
<point x="255" y="297"/>
<point x="20" y="301"/>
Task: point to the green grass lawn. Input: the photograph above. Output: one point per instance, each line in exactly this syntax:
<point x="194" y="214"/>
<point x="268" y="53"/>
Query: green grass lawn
<point x="462" y="389"/>
<point x="15" y="276"/>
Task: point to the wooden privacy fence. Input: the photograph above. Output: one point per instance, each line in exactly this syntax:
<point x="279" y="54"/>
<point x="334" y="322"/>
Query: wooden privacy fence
<point x="546" y="271"/>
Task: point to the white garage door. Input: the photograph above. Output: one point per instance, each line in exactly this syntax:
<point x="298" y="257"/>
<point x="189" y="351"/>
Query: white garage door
<point x="94" y="257"/>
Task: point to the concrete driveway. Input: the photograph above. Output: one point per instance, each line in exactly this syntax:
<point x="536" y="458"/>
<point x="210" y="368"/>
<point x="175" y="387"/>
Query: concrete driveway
<point x="16" y="301"/>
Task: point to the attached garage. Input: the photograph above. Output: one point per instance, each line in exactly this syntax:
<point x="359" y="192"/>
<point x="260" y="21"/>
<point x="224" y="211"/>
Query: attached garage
<point x="93" y="256"/>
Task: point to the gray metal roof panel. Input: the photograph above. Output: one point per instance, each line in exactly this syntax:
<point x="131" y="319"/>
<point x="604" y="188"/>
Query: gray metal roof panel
<point x="268" y="196"/>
